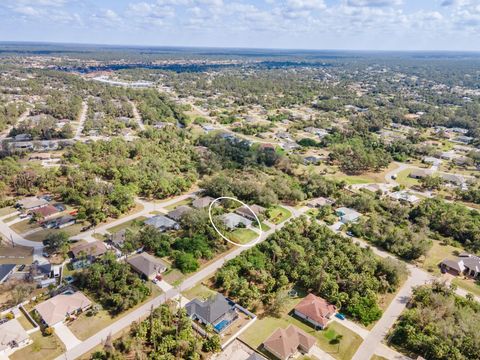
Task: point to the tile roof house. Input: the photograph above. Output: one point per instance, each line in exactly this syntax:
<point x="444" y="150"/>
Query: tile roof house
<point x="179" y="212"/>
<point x="55" y="310"/>
<point x="318" y="202"/>
<point x="45" y="212"/>
<point x="315" y="310"/>
<point x="147" y="265"/>
<point x="285" y="343"/>
<point x="92" y="249"/>
<point x="202" y="202"/>
<point x="217" y="311"/>
<point x="467" y="264"/>
<point x="162" y="223"/>
<point x="232" y="220"/>
<point x="12" y="337"/>
<point x="245" y="212"/>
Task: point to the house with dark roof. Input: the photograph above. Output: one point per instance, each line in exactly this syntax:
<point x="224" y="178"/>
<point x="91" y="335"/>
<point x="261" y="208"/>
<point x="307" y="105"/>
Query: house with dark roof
<point x="217" y="311"/>
<point x="147" y="265"/>
<point x="118" y="238"/>
<point x="179" y="212"/>
<point x="245" y="211"/>
<point x="467" y="264"/>
<point x="287" y="343"/>
<point x="162" y="223"/>
<point x="202" y="202"/>
<point x="316" y="310"/>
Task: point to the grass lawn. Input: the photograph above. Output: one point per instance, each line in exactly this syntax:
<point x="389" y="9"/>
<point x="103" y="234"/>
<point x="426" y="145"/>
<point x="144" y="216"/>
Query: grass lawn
<point x="26" y="324"/>
<point x="404" y="179"/>
<point x="265" y="227"/>
<point x="278" y="214"/>
<point x="11" y="218"/>
<point x="7" y="210"/>
<point x="42" y="234"/>
<point x="467" y="284"/>
<point x="436" y="254"/>
<point x="187" y="201"/>
<point x="24" y="226"/>
<point x="43" y="348"/>
<point x="243" y="236"/>
<point x="173" y="276"/>
<point x="126" y="224"/>
<point x="352" y="180"/>
<point x="262" y="329"/>
<point x="198" y="291"/>
<point x="86" y="326"/>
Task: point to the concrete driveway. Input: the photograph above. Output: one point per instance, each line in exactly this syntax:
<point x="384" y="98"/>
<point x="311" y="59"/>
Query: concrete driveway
<point x="67" y="337"/>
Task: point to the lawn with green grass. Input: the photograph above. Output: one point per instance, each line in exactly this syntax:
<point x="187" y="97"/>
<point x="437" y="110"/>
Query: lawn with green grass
<point x="24" y="226"/>
<point x="126" y="224"/>
<point x="187" y="201"/>
<point x="403" y="178"/>
<point x="263" y="328"/>
<point x="278" y="214"/>
<point x="42" y="348"/>
<point x="467" y="284"/>
<point x="436" y="254"/>
<point x="199" y="291"/>
<point x="265" y="227"/>
<point x="242" y="236"/>
<point x="69" y="230"/>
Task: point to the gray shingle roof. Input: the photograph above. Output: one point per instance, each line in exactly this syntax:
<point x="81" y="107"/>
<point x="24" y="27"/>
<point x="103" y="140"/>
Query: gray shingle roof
<point x="161" y="222"/>
<point x="209" y="310"/>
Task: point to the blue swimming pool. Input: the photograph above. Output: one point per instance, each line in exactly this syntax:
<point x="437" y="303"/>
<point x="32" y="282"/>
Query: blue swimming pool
<point x="221" y="325"/>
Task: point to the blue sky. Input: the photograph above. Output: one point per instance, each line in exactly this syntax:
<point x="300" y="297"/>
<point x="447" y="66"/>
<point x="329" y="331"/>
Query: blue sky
<point x="306" y="24"/>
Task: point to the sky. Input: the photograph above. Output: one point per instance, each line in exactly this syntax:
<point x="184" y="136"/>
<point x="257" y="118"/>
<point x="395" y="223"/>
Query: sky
<point x="286" y="24"/>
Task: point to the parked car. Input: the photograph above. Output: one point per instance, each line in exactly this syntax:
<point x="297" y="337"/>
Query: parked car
<point x="340" y="316"/>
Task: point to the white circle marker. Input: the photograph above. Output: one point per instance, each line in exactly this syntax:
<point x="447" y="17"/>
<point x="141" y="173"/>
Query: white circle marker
<point x="251" y="243"/>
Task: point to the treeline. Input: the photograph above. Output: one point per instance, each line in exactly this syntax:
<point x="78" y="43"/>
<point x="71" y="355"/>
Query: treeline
<point x="313" y="257"/>
<point x="113" y="284"/>
<point x="44" y="128"/>
<point x="9" y="113"/>
<point x="154" y="107"/>
<point x="60" y="106"/>
<point x="167" y="333"/>
<point x="108" y="116"/>
<point x="439" y="325"/>
<point x="450" y="220"/>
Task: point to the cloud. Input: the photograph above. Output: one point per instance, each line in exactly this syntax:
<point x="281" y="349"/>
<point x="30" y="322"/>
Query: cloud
<point x="374" y="3"/>
<point x="306" y="4"/>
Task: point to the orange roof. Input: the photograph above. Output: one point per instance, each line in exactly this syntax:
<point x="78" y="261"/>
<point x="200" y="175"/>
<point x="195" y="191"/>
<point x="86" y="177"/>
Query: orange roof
<point x="316" y="308"/>
<point x="283" y="343"/>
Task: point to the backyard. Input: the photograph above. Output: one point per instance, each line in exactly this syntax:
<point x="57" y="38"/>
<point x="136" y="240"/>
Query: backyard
<point x="43" y="348"/>
<point x="243" y="236"/>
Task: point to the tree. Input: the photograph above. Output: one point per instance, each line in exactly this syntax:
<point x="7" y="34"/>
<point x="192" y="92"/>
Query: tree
<point x="58" y="242"/>
<point x="185" y="262"/>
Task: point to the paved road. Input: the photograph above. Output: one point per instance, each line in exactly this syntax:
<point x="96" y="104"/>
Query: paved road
<point x="11" y="235"/>
<point x="378" y="333"/>
<point x="144" y="309"/>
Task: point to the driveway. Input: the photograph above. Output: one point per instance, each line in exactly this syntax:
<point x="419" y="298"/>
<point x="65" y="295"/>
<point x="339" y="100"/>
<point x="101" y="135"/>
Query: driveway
<point x="320" y="354"/>
<point x="67" y="337"/>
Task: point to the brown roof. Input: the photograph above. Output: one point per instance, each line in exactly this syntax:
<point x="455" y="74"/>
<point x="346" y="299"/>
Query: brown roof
<point x="244" y="211"/>
<point x="45" y="211"/>
<point x="56" y="309"/>
<point x="202" y="202"/>
<point x="95" y="248"/>
<point x="316" y="308"/>
<point x="283" y="343"/>
<point x="147" y="264"/>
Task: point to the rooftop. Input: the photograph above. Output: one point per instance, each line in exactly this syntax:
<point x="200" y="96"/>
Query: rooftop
<point x="211" y="309"/>
<point x="56" y="309"/>
<point x="316" y="308"/>
<point x="286" y="342"/>
<point x="147" y="264"/>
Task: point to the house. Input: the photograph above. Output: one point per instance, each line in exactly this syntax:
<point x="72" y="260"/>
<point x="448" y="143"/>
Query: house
<point x="315" y="310"/>
<point x="319" y="202"/>
<point x="23" y="137"/>
<point x="162" y="223"/>
<point x="45" y="212"/>
<point x="60" y="222"/>
<point x="289" y="146"/>
<point x="55" y="310"/>
<point x="91" y="250"/>
<point x="39" y="272"/>
<point x="6" y="270"/>
<point x="404" y="196"/>
<point x="207" y="128"/>
<point x="420" y="173"/>
<point x="217" y="311"/>
<point x="467" y="264"/>
<point x="202" y="202"/>
<point x="12" y="337"/>
<point x="453" y="178"/>
<point x="245" y="212"/>
<point x="232" y="220"/>
<point x="432" y="160"/>
<point x="448" y="155"/>
<point x="118" y="238"/>
<point x="347" y="215"/>
<point x="147" y="265"/>
<point x="31" y="203"/>
<point x="286" y="343"/>
<point x="179" y="212"/>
